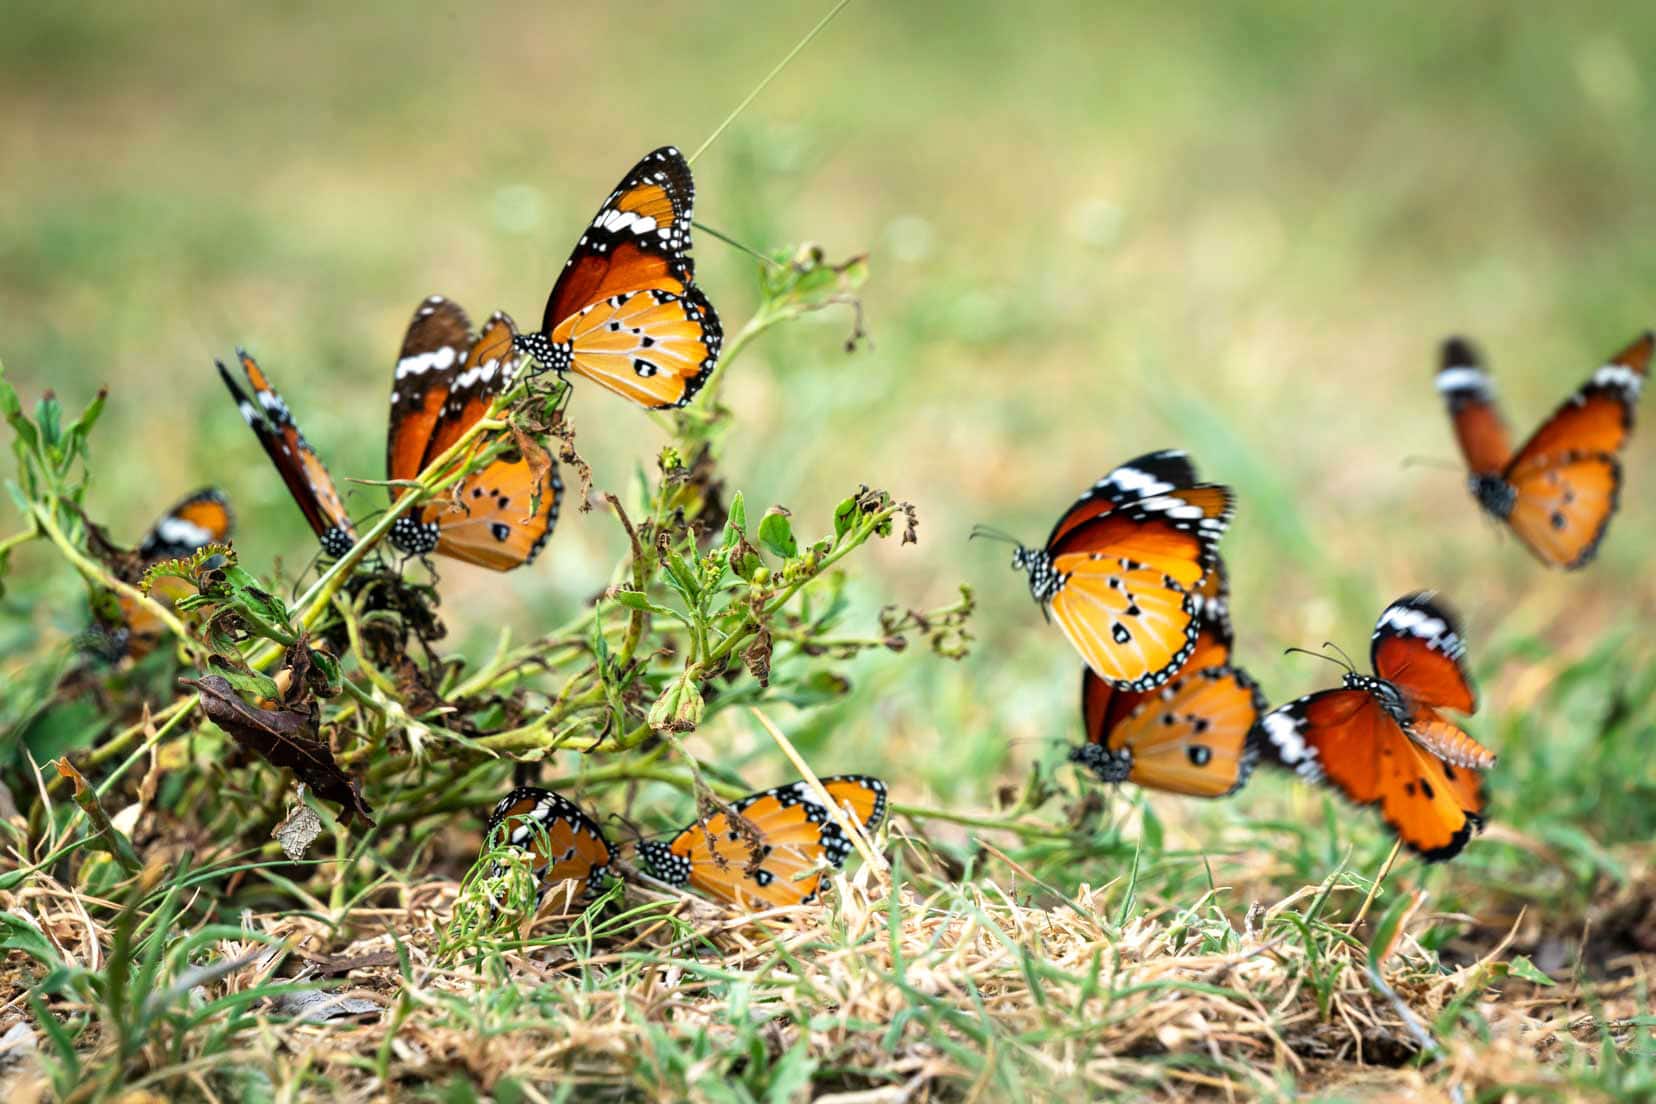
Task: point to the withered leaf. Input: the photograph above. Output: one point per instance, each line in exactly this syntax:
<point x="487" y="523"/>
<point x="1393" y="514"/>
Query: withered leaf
<point x="282" y="738"/>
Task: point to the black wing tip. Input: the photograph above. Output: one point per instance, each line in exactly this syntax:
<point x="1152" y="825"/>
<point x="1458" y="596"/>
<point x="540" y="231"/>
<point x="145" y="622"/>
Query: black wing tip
<point x="1457" y="842"/>
<point x="1459" y="352"/>
<point x="1432" y="603"/>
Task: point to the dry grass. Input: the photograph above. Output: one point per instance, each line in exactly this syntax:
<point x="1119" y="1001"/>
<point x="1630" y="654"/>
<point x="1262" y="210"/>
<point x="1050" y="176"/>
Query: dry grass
<point x="906" y="989"/>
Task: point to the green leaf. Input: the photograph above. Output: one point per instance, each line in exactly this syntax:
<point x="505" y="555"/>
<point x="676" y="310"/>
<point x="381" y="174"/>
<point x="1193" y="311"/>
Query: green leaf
<point x="776" y="534"/>
<point x="638" y="600"/>
<point x="49" y="417"/>
<point x="845" y="517"/>
<point x="12" y="407"/>
<point x="683" y="578"/>
<point x="735" y="520"/>
<point x="20" y="934"/>
<point x="1522" y="967"/>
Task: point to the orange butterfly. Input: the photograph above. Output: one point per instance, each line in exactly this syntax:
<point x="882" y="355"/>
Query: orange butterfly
<point x="1193" y="734"/>
<point x="567" y="844"/>
<point x="197" y="520"/>
<point x="1559" y="491"/>
<point x="444" y="382"/>
<point x="777" y="857"/>
<point x="625" y="312"/>
<point x="1382" y="740"/>
<point x="296" y="462"/>
<point x="1121" y="567"/>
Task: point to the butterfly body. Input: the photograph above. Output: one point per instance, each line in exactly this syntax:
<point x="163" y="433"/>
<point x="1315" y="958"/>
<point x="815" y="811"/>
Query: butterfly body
<point x="1382" y="739"/>
<point x="774" y="854"/>
<point x="625" y="312"/>
<point x="1120" y="568"/>
<point x="566" y="843"/>
<point x="1559" y="490"/>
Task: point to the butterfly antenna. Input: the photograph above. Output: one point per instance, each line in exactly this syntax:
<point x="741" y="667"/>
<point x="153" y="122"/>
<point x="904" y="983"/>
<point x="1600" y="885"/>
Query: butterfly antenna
<point x="1431" y="462"/>
<point x="989" y="532"/>
<point x="772" y="75"/>
<point x="1350" y="666"/>
<point x="1318" y="655"/>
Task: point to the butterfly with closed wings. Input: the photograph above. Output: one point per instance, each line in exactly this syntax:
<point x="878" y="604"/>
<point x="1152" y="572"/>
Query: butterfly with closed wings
<point x="776" y="856"/>
<point x="1120" y="570"/>
<point x="625" y="312"/>
<point x="296" y="462"/>
<point x="1193" y="734"/>
<point x="1382" y="738"/>
<point x="445" y="380"/>
<point x="567" y="844"/>
<point x="1559" y="491"/>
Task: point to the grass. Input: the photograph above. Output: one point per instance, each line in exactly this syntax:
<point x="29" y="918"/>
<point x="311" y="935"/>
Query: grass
<point x="1091" y="234"/>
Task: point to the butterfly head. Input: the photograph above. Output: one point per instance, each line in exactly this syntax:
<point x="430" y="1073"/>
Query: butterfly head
<point x="1494" y="494"/>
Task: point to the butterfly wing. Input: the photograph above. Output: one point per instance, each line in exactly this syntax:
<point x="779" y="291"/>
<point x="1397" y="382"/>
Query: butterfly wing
<point x="1189" y="737"/>
<point x="1562" y="510"/>
<point x="1147" y="476"/>
<point x="296" y="462"/>
<point x="1418" y="647"/>
<point x="1470" y="397"/>
<point x="623" y="312"/>
<point x="433" y="352"/>
<point x="1119" y="585"/>
<point x="567" y="844"/>
<point x="198" y="519"/>
<point x="780" y="862"/>
<point x="1597" y="418"/>
<point x="1346" y="738"/>
<point x="1565" y="482"/>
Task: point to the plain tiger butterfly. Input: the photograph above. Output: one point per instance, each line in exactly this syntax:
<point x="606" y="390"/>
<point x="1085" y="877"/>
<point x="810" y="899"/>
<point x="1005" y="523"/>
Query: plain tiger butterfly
<point x="445" y="380"/>
<point x="1193" y="734"/>
<point x="777" y="855"/>
<point x="296" y="462"/>
<point x="1120" y="570"/>
<point x="625" y="312"/>
<point x="1559" y="491"/>
<point x="195" y="521"/>
<point x="566" y="844"/>
<point x="1383" y="740"/>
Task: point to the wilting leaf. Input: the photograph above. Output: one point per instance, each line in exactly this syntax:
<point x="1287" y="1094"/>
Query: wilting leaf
<point x="105" y="836"/>
<point x="282" y="738"/>
<point x="298" y="831"/>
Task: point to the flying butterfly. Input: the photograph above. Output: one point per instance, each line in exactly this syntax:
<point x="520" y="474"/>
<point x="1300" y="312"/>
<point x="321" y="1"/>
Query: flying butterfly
<point x="296" y="462"/>
<point x="195" y="521"/>
<point x="567" y="845"/>
<point x="445" y="379"/>
<point x="1558" y="491"/>
<point x="1382" y="738"/>
<point x="1190" y="736"/>
<point x="1120" y="571"/>
<point x="625" y="312"/>
<point x="776" y="857"/>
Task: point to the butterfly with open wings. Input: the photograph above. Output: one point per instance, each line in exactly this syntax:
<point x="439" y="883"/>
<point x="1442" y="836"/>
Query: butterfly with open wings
<point x="776" y="856"/>
<point x="1120" y="570"/>
<point x="1192" y="735"/>
<point x="445" y="380"/>
<point x="1559" y="490"/>
<point x="625" y="312"/>
<point x="566" y="843"/>
<point x="1382" y="738"/>
<point x="195" y="521"/>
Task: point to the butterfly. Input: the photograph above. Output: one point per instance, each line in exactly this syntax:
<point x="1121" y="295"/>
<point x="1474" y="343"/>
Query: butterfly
<point x="1382" y="739"/>
<point x="567" y="844"/>
<point x="296" y="462"/>
<point x="1559" y="491"/>
<point x="1190" y="736"/>
<point x="197" y="520"/>
<point x="1120" y="571"/>
<point x="444" y="382"/>
<point x="625" y="312"/>
<point x="778" y="860"/>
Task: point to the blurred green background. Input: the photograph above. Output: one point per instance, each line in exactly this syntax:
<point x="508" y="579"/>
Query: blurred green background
<point x="1094" y="230"/>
